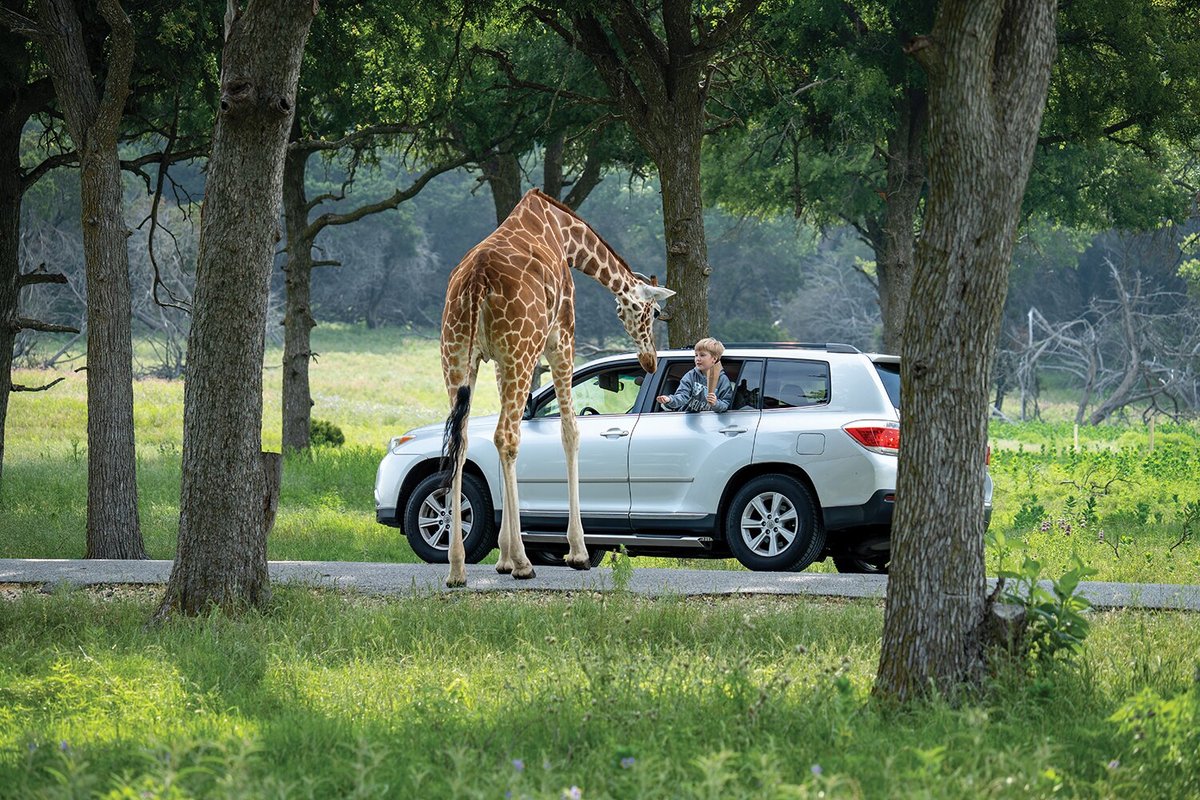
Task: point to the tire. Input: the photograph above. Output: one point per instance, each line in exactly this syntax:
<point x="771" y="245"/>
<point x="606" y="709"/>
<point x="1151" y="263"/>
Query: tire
<point x="854" y="565"/>
<point x="793" y="536"/>
<point x="555" y="557"/>
<point x="427" y="522"/>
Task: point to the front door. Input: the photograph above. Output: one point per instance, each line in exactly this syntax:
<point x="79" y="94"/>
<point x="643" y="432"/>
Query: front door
<point x="602" y="400"/>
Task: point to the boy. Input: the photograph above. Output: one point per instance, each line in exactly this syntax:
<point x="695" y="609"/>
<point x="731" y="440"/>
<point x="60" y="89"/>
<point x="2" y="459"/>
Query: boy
<point x="705" y="388"/>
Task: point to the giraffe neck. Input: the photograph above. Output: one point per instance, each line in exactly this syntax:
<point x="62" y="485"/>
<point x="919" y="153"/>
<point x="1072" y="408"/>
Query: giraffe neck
<point x="586" y="251"/>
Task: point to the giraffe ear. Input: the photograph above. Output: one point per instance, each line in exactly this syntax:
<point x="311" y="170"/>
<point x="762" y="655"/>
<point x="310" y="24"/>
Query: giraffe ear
<point x="649" y="293"/>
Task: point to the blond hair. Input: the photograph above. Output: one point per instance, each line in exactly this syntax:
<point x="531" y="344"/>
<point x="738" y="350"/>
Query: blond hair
<point x="711" y="346"/>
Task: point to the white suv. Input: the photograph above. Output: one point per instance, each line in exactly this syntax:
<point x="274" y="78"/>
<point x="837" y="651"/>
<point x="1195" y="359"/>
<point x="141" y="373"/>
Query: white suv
<point x="801" y="467"/>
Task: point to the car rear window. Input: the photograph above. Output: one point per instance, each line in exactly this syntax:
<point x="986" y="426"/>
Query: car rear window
<point x="796" y="384"/>
<point x="890" y="375"/>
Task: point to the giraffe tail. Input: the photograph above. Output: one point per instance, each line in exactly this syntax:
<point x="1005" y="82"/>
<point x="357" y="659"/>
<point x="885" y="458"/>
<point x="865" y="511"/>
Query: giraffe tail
<point x="452" y="437"/>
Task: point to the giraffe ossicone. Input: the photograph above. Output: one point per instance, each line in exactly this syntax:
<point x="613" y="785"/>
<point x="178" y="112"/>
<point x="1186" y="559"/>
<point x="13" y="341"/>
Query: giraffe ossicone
<point x="511" y="300"/>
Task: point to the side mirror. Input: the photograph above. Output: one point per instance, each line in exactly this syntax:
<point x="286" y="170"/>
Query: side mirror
<point x="528" y="414"/>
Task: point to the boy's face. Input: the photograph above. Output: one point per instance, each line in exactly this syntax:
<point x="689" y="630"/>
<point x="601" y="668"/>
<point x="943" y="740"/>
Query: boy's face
<point x="704" y="360"/>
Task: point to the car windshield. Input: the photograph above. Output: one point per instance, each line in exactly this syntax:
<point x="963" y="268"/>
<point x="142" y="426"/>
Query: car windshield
<point x="890" y="375"/>
<point x="612" y="391"/>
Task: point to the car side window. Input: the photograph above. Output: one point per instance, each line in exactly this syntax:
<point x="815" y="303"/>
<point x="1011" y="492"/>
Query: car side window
<point x="746" y="377"/>
<point x="796" y="384"/>
<point x="609" y="391"/>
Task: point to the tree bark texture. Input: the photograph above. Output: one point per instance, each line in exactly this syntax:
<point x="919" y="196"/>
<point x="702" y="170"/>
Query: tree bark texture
<point x="113" y="530"/>
<point x="10" y="265"/>
<point x="683" y="225"/>
<point x="503" y="174"/>
<point x="989" y="66"/>
<point x="298" y="320"/>
<point x="905" y="182"/>
<point x="221" y="559"/>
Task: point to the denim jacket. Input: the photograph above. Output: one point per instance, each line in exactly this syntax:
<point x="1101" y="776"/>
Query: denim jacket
<point x="692" y="394"/>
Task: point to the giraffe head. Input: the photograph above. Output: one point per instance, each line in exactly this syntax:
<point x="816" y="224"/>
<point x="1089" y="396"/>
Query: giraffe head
<point x="638" y="307"/>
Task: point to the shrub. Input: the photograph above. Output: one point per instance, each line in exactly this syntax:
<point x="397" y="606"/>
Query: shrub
<point x="323" y="433"/>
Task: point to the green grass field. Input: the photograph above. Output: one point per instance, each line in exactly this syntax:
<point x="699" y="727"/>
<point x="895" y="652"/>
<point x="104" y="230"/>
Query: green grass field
<point x="1122" y="508"/>
<point x="588" y="696"/>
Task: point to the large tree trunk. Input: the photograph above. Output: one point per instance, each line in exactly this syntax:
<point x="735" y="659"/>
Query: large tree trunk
<point x="905" y="180"/>
<point x="989" y="66"/>
<point x="222" y="555"/>
<point x="298" y="320"/>
<point x="10" y="265"/>
<point x="113" y="530"/>
<point x="503" y="174"/>
<point x="678" y="162"/>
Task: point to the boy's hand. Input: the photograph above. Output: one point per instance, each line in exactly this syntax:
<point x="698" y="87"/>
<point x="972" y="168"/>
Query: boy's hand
<point x="712" y="399"/>
<point x="662" y="398"/>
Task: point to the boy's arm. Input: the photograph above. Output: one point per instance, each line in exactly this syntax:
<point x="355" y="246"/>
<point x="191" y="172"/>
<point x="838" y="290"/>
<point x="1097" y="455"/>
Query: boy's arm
<point x="682" y="393"/>
<point x="724" y="394"/>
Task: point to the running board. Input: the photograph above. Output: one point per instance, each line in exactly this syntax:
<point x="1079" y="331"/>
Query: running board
<point x="631" y="540"/>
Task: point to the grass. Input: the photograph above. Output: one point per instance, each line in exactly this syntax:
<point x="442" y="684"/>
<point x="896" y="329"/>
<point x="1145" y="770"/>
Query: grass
<point x="1052" y="500"/>
<point x="477" y="696"/>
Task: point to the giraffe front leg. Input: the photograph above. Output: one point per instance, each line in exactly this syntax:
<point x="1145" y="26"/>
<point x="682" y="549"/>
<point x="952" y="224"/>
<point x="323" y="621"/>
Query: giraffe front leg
<point x="577" y="554"/>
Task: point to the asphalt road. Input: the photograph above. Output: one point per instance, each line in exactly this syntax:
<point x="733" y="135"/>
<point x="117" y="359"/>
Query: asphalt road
<point x="401" y="579"/>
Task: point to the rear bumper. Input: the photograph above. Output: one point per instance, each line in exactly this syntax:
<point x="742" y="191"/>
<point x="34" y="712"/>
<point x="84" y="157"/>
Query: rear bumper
<point x="876" y="512"/>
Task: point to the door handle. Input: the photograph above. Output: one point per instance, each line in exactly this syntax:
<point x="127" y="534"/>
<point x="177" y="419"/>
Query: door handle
<point x="614" y="433"/>
<point x="732" y="430"/>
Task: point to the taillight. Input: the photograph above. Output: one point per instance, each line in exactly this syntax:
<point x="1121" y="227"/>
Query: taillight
<point x="878" y="436"/>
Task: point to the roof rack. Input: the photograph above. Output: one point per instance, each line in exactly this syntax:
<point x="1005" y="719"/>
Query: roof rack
<point x="829" y="347"/>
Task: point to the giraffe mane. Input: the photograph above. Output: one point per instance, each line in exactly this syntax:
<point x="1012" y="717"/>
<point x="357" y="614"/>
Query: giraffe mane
<point x="560" y="205"/>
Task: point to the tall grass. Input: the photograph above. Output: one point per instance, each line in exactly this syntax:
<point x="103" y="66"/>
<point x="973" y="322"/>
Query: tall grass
<point x="470" y="696"/>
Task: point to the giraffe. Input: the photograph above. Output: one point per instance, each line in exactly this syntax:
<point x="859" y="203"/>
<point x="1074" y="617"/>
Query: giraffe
<point x="511" y="300"/>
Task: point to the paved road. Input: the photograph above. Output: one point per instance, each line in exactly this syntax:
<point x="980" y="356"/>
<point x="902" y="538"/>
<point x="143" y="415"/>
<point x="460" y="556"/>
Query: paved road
<point x="398" y="579"/>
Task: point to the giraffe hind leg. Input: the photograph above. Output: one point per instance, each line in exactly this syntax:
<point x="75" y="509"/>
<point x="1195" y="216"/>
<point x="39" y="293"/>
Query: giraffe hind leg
<point x="561" y="370"/>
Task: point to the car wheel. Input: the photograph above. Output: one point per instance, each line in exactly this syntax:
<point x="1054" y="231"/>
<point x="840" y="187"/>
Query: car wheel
<point x="427" y="520"/>
<point x="772" y="525"/>
<point x="861" y="566"/>
<point x="555" y="557"/>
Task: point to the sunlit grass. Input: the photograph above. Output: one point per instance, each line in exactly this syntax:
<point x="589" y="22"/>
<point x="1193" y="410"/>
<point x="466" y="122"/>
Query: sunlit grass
<point x="473" y="696"/>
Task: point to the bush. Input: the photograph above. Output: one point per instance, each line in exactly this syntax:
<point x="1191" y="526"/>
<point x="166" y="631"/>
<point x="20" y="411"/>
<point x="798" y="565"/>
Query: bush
<point x="323" y="433"/>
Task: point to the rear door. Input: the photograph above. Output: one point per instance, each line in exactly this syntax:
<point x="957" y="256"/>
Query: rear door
<point x="679" y="462"/>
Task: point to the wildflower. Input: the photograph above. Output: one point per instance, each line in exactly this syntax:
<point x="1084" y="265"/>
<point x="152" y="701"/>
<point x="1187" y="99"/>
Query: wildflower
<point x="1045" y="526"/>
<point x="574" y="793"/>
<point x="816" y="770"/>
<point x="32" y="746"/>
<point x="627" y="762"/>
<point x="1116" y="762"/>
<point x="1100" y="535"/>
<point x="1067" y="529"/>
<point x="518" y="765"/>
<point x="64" y="746"/>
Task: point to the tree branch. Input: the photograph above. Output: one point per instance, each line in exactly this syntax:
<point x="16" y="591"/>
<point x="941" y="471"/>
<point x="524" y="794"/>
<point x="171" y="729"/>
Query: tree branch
<point x="22" y="25"/>
<point x="17" y="387"/>
<point x="39" y="275"/>
<point x="27" y="324"/>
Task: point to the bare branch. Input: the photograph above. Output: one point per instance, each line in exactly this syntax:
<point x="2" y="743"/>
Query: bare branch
<point x="27" y="324"/>
<point x="17" y="387"/>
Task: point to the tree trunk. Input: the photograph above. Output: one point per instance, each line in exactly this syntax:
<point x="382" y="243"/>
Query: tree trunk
<point x="221" y="560"/>
<point x="10" y="265"/>
<point x="988" y="66"/>
<point x="113" y="530"/>
<point x="503" y="173"/>
<point x="905" y="181"/>
<point x="683" y="226"/>
<point x="552" y="167"/>
<point x="298" y="320"/>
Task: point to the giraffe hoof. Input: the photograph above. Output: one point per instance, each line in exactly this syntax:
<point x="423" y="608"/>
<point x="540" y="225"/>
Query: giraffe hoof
<point x="579" y="562"/>
<point x="523" y="574"/>
<point x="504" y="569"/>
<point x="455" y="583"/>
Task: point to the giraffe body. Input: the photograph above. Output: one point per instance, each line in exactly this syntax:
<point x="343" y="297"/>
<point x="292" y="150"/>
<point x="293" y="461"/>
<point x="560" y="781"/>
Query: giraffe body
<point x="511" y="300"/>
